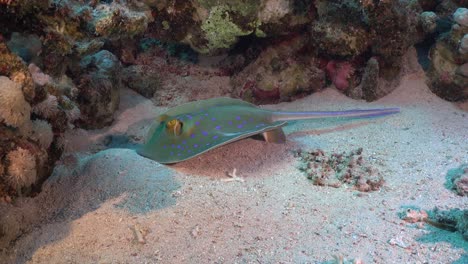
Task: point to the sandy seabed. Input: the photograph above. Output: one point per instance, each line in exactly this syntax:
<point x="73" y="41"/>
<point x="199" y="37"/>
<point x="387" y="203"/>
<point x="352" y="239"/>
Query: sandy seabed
<point x="106" y="204"/>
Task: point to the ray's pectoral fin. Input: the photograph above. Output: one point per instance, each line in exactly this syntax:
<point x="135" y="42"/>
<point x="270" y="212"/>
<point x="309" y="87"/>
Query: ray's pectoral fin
<point x="274" y="136"/>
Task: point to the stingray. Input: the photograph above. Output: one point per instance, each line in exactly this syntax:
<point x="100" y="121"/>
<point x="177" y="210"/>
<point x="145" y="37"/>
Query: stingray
<point x="191" y="129"/>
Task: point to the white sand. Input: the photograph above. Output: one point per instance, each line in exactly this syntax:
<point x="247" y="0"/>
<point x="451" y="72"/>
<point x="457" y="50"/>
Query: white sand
<point x="188" y="213"/>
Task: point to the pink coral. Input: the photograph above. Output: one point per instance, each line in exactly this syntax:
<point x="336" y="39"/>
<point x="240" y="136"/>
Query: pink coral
<point x="38" y="76"/>
<point x="6" y="2"/>
<point x="339" y="73"/>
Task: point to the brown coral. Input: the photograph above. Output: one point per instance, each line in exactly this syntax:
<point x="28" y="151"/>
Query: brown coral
<point x="14" y="110"/>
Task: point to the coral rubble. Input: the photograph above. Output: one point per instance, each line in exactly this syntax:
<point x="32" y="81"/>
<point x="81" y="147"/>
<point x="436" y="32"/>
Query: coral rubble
<point x="339" y="169"/>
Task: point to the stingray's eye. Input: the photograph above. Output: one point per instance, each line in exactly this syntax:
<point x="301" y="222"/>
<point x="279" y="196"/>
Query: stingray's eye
<point x="174" y="127"/>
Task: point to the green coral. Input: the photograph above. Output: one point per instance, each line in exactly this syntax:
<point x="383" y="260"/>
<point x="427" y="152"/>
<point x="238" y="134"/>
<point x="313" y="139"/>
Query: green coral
<point x="219" y="24"/>
<point x="244" y="8"/>
<point x="220" y="30"/>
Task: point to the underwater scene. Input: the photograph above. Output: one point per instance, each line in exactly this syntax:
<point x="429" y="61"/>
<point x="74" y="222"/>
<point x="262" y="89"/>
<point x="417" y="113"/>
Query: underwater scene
<point x="234" y="131"/>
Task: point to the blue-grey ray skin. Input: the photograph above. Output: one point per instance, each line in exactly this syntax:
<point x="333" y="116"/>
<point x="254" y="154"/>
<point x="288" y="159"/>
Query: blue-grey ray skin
<point x="211" y="123"/>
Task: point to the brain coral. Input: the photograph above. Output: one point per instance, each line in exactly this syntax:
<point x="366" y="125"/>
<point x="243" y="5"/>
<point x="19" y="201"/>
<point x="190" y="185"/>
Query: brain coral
<point x="14" y="110"/>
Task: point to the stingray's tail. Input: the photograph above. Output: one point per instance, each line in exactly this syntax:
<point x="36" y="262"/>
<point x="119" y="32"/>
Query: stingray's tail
<point x="286" y="116"/>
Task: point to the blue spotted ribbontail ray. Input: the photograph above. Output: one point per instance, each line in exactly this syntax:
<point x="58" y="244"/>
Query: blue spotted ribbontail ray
<point x="191" y="129"/>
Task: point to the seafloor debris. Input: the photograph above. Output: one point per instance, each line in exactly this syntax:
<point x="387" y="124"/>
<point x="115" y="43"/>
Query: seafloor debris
<point x="457" y="180"/>
<point x="450" y="220"/>
<point x="140" y="233"/>
<point x="398" y="241"/>
<point x="233" y="177"/>
<point x="414" y="216"/>
<point x="196" y="231"/>
<point x="339" y="259"/>
<point x="454" y="220"/>
<point x="337" y="169"/>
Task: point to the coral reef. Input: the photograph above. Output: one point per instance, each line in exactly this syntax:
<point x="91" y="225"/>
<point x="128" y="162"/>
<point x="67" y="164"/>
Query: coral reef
<point x="220" y="30"/>
<point x="27" y="151"/>
<point x="116" y="20"/>
<point x="339" y="169"/>
<point x="341" y="29"/>
<point x="27" y="46"/>
<point x="21" y="171"/>
<point x="342" y="38"/>
<point x="448" y="76"/>
<point x="143" y="79"/>
<point x="278" y="74"/>
<point x="428" y="21"/>
<point x="340" y="73"/>
<point x="370" y="80"/>
<point x="14" y="110"/>
<point x="211" y="27"/>
<point x="42" y="132"/>
<point x="13" y="67"/>
<point x="392" y="40"/>
<point x="99" y="89"/>
<point x="62" y="63"/>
